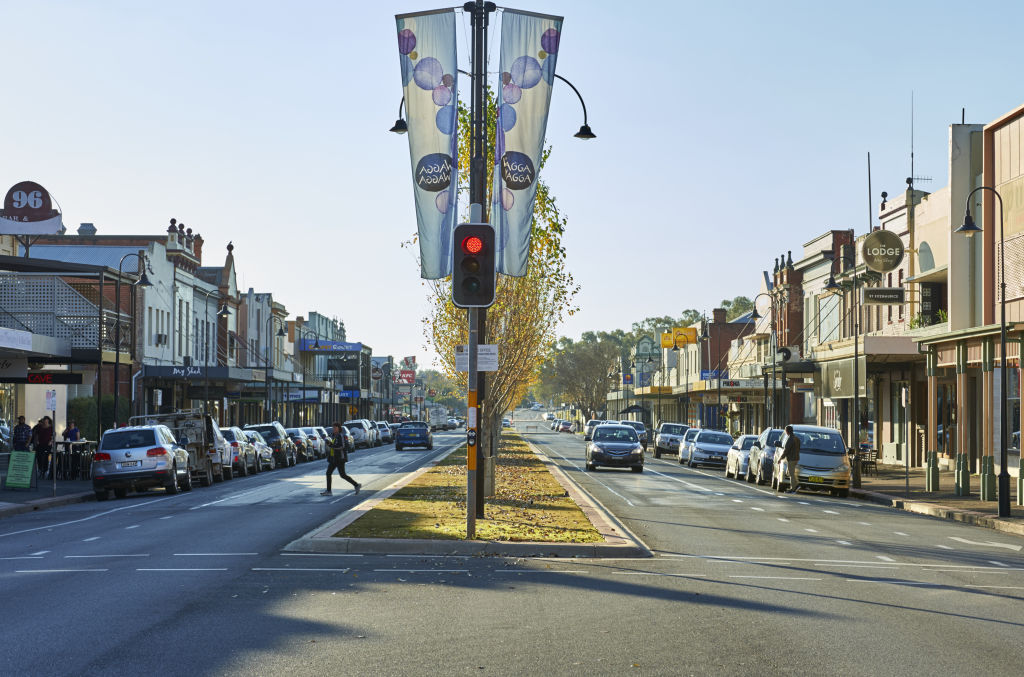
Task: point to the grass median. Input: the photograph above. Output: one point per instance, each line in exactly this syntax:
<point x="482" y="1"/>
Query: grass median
<point x="529" y="504"/>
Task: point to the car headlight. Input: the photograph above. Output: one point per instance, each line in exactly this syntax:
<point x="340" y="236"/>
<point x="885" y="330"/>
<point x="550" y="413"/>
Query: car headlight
<point x="843" y="466"/>
<point x="637" y="448"/>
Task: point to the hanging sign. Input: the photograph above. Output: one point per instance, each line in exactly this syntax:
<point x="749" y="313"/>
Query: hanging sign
<point x="28" y="210"/>
<point x="883" y="251"/>
<point x="883" y="296"/>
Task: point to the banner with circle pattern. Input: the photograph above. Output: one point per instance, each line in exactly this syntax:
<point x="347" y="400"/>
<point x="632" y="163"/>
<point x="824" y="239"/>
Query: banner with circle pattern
<point x="427" y="52"/>
<point x="529" y="48"/>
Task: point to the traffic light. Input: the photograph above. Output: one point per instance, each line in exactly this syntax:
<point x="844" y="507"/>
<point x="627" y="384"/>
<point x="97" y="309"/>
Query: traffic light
<point x="473" y="276"/>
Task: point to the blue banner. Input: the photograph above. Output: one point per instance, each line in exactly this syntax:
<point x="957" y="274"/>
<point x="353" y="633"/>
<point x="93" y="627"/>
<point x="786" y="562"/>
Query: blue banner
<point x="529" y="48"/>
<point x="426" y="51"/>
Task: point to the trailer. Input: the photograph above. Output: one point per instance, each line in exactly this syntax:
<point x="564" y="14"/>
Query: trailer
<point x="208" y="452"/>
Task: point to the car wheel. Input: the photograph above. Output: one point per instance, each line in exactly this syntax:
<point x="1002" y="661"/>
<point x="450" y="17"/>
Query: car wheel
<point x="590" y="466"/>
<point x="102" y="495"/>
<point x="172" y="486"/>
<point x="398" y="447"/>
<point x="637" y="468"/>
<point x="843" y="493"/>
<point x="430" y="447"/>
<point x="257" y="466"/>
<point x="681" y="461"/>
<point x="759" y="478"/>
<point x="207" y="478"/>
<point x="186" y="484"/>
<point x="243" y="468"/>
<point x="689" y="461"/>
<point x="120" y="492"/>
<point x="749" y="477"/>
<point x="227" y="472"/>
<point x="727" y="475"/>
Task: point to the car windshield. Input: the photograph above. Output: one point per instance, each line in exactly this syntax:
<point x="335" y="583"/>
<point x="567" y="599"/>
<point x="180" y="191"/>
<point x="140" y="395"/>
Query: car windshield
<point x="747" y="442"/>
<point x="615" y="434"/>
<point x="309" y="431"/>
<point x="822" y="442"/>
<point x="635" y="424"/>
<point x="128" y="439"/>
<point x="773" y="437"/>
<point x="690" y="434"/>
<point x="268" y="432"/>
<point x="294" y="431"/>
<point x="715" y="438"/>
<point x="672" y="429"/>
<point x="592" y="423"/>
<point x="255" y="437"/>
<point x="228" y="434"/>
<point x="353" y="423"/>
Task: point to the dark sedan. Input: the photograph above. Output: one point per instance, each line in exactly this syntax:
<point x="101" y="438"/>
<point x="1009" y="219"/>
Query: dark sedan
<point x="617" y="446"/>
<point x="414" y="434"/>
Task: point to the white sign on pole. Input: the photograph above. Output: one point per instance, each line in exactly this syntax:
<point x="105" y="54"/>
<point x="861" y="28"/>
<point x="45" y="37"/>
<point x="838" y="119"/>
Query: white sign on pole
<point x="486" y="357"/>
<point x="51" y="400"/>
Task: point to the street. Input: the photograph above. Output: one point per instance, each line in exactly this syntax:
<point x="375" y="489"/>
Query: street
<point x="740" y="582"/>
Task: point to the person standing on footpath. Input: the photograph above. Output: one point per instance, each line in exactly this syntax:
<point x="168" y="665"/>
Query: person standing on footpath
<point x="791" y="454"/>
<point x="21" y="435"/>
<point x="42" y="439"/>
<point x="72" y="433"/>
<point x="337" y="454"/>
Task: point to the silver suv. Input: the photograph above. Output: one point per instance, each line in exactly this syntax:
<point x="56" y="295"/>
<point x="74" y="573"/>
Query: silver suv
<point x="139" y="457"/>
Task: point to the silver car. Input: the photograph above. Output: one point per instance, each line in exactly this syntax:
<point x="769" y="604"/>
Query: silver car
<point x="243" y="453"/>
<point x="360" y="433"/>
<point x="264" y="452"/>
<point x="385" y="432"/>
<point x="319" y="443"/>
<point x="684" y="445"/>
<point x="588" y="428"/>
<point x="667" y="438"/>
<point x="737" y="460"/>
<point x="709" y="447"/>
<point x="129" y="459"/>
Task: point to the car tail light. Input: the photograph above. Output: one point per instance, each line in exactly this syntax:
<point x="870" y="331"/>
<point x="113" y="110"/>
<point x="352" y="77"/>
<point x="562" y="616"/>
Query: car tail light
<point x="101" y="456"/>
<point x="157" y="451"/>
<point x="234" y="444"/>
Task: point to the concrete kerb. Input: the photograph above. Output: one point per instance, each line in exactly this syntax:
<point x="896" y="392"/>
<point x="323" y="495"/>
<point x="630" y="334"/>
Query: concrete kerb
<point x="619" y="541"/>
<point x="974" y="518"/>
<point x="12" y="509"/>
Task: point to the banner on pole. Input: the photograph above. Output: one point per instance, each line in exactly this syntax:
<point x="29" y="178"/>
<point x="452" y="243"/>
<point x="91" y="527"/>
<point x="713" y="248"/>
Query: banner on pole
<point x="529" y="49"/>
<point x="426" y="50"/>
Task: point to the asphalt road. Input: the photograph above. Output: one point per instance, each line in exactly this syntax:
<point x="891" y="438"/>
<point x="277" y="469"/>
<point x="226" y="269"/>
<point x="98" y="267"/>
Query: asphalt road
<point x="741" y="583"/>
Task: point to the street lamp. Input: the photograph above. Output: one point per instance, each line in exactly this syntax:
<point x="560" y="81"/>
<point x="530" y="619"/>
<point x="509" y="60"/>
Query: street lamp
<point x="143" y="281"/>
<point x="316" y="346"/>
<point x="834" y="287"/>
<point x="675" y="347"/>
<point x="773" y="342"/>
<point x="270" y="362"/>
<point x="969" y="228"/>
<point x="706" y="339"/>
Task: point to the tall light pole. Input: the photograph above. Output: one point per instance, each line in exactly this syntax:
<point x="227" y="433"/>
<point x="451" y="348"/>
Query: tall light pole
<point x="832" y="286"/>
<point x="143" y="281"/>
<point x="675" y="347"/>
<point x="773" y="347"/>
<point x="969" y="229"/>
<point x="270" y="361"/>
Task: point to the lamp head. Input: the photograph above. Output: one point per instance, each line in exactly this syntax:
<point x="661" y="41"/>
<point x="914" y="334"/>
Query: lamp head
<point x="224" y="312"/>
<point x="969" y="228"/>
<point x="832" y="285"/>
<point x="585" y="132"/>
<point x="399" y="127"/>
<point x="754" y="315"/>
<point x="280" y="332"/>
<point x="143" y="281"/>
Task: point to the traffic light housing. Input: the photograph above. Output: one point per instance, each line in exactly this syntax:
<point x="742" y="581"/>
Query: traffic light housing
<point x="473" y="269"/>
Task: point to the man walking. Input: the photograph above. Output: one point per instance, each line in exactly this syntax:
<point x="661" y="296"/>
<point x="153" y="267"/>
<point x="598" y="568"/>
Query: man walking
<point x="791" y="454"/>
<point x="337" y="454"/>
<point x="21" y="435"/>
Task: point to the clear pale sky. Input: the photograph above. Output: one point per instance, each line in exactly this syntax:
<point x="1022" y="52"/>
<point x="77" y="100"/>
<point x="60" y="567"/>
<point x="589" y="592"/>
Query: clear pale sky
<point x="727" y="133"/>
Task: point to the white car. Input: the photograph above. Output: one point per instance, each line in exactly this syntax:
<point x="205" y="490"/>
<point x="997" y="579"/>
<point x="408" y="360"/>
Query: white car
<point x="738" y="458"/>
<point x="360" y="430"/>
<point x="386" y="436"/>
<point x="667" y="438"/>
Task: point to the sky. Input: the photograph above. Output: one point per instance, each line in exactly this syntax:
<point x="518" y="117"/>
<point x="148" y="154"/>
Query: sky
<point x="727" y="133"/>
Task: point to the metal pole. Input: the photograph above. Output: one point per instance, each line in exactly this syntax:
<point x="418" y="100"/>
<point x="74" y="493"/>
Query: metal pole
<point x="775" y="349"/>
<point x="1004" y="472"/>
<point x="855" y="473"/>
<point x="117" y="338"/>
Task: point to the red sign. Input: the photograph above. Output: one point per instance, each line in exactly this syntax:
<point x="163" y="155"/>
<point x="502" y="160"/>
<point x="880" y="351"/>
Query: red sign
<point x="42" y="378"/>
<point x="405" y="377"/>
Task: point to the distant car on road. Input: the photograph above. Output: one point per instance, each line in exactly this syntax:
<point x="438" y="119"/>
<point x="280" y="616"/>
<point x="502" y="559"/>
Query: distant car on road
<point x="129" y="459"/>
<point x="414" y="434"/>
<point x="564" y="427"/>
<point x="506" y="423"/>
<point x="709" y="447"/>
<point x="760" y="462"/>
<point x="549" y="416"/>
<point x="277" y="437"/>
<point x="667" y="438"/>
<point x="737" y="460"/>
<point x="360" y="430"/>
<point x="385" y="432"/>
<point x="641" y="431"/>
<point x="616" y="446"/>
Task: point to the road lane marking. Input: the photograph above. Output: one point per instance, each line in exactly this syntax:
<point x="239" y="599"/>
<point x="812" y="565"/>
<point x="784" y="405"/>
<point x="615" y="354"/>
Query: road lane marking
<point x="23" y="557"/>
<point x="591" y="475"/>
<point x="719" y="493"/>
<point x="844" y="543"/>
<point x="813" y="531"/>
<point x="92" y="538"/>
<point x="167" y="517"/>
<point x="899" y="533"/>
<point x="134" y="526"/>
<point x="427" y="556"/>
<point x="319" y="554"/>
<point x="998" y="564"/>
<point x="426" y="571"/>
<point x="757" y="509"/>
<point x="884" y="558"/>
<point x="885" y="580"/>
<point x="737" y="500"/>
<point x="90" y="517"/>
<point x="682" y="481"/>
<point x="996" y="587"/>
<point x="168" y="569"/>
<point x="991" y="544"/>
<point x="944" y="547"/>
<point x="856" y="566"/>
<point x="57" y="571"/>
<point x="99" y="556"/>
<point x="230" y="497"/>
<point x="782" y="519"/>
<point x="803" y="502"/>
<point x="651" y="573"/>
<point x="41" y="552"/>
<point x="830" y="512"/>
<point x="522" y="571"/>
<point x="962" y="571"/>
<point x="864" y="524"/>
<point x="214" y="554"/>
<point x="779" y="578"/>
<point x="341" y="571"/>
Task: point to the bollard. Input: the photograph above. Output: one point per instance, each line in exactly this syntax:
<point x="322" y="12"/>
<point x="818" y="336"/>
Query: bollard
<point x="988" y="478"/>
<point x="931" y="477"/>
<point x="855" y="469"/>
<point x="1020" y="481"/>
<point x="963" y="475"/>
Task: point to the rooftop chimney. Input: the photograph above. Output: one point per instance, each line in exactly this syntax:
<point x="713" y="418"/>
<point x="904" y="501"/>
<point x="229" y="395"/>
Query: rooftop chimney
<point x="86" y="229"/>
<point x="718" y="314"/>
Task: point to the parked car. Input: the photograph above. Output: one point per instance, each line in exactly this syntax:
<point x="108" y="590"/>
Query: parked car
<point x="564" y="427"/>
<point x="736" y="461"/>
<point x="385" y="432"/>
<point x="506" y="422"/>
<point x="641" y="431"/>
<point x="243" y="453"/>
<point x="554" y="424"/>
<point x="684" y="446"/>
<point x="303" y="445"/>
<point x="549" y="416"/>
<point x="414" y="434"/>
<point x="360" y="430"/>
<point x="264" y="452"/>
<point x="588" y="428"/>
<point x="325" y="435"/>
<point x="374" y="433"/>
<point x="275" y="435"/>
<point x="761" y="461"/>
<point x="453" y="424"/>
<point x="667" y="437"/>
<point x="709" y="447"/>
<point x="139" y="457"/>
<point x="319" y="445"/>
<point x="823" y="461"/>
<point x="616" y="446"/>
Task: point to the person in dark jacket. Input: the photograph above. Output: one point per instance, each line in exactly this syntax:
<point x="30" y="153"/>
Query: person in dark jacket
<point x="337" y="454"/>
<point x="791" y="454"/>
<point x="42" y="439"/>
<point x="21" y="436"/>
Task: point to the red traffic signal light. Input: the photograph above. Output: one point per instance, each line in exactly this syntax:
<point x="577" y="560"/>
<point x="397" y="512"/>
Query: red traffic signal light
<point x="473" y="269"/>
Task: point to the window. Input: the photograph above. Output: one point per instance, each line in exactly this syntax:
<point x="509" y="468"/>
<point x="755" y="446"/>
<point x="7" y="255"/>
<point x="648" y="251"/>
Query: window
<point x="150" y="330"/>
<point x="901" y="284"/>
<point x="179" y="326"/>
<point x="890" y="307"/>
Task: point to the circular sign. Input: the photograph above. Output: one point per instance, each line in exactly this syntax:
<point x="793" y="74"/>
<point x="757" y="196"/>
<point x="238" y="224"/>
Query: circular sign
<point x="883" y="251"/>
<point x="28" y="201"/>
<point x="377" y="374"/>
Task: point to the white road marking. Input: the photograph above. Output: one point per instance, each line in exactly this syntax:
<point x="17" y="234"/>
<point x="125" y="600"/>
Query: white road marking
<point x="167" y="517"/>
<point x="90" y="517"/>
<point x="779" y="578"/>
<point x="749" y="560"/>
<point x="844" y="543"/>
<point x="757" y="509"/>
<point x="573" y="464"/>
<point x="961" y="571"/>
<point x="681" y="481"/>
<point x="996" y="587"/>
<point x="899" y="533"/>
<point x="99" y="556"/>
<point x="992" y="544"/>
<point x="228" y="498"/>
<point x="864" y="524"/>
<point x="719" y="493"/>
<point x="134" y="526"/>
<point x="998" y="564"/>
<point x="737" y="500"/>
<point x="41" y="552"/>
<point x="884" y="558"/>
<point x="813" y="531"/>
<point x="427" y="571"/>
<point x="219" y="569"/>
<point x="944" y="547"/>
<point x="803" y="502"/>
<point x="648" y="573"/>
<point x="340" y="571"/>
<point x="830" y="512"/>
<point x="424" y="556"/>
<point x="319" y="554"/>
<point x="521" y="571"/>
<point x="856" y="566"/>
<point x="214" y="554"/>
<point x="23" y="557"/>
<point x="883" y="580"/>
<point x="92" y="538"/>
<point x="782" y="519"/>
<point x="56" y="571"/>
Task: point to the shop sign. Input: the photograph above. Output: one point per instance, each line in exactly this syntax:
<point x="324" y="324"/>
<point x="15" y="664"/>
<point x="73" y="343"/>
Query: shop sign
<point x="837" y="378"/>
<point x="28" y="210"/>
<point x="683" y="336"/>
<point x="13" y="366"/>
<point x="19" y="470"/>
<point x="882" y="296"/>
<point x="883" y="251"/>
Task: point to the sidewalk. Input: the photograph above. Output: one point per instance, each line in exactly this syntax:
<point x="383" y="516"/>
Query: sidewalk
<point x="17" y="501"/>
<point x="890" y="488"/>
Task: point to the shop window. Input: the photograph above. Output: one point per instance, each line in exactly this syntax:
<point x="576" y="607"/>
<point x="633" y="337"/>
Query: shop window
<point x="829" y="415"/>
<point x="901" y="284"/>
<point x="898" y="417"/>
<point x="890" y="307"/>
